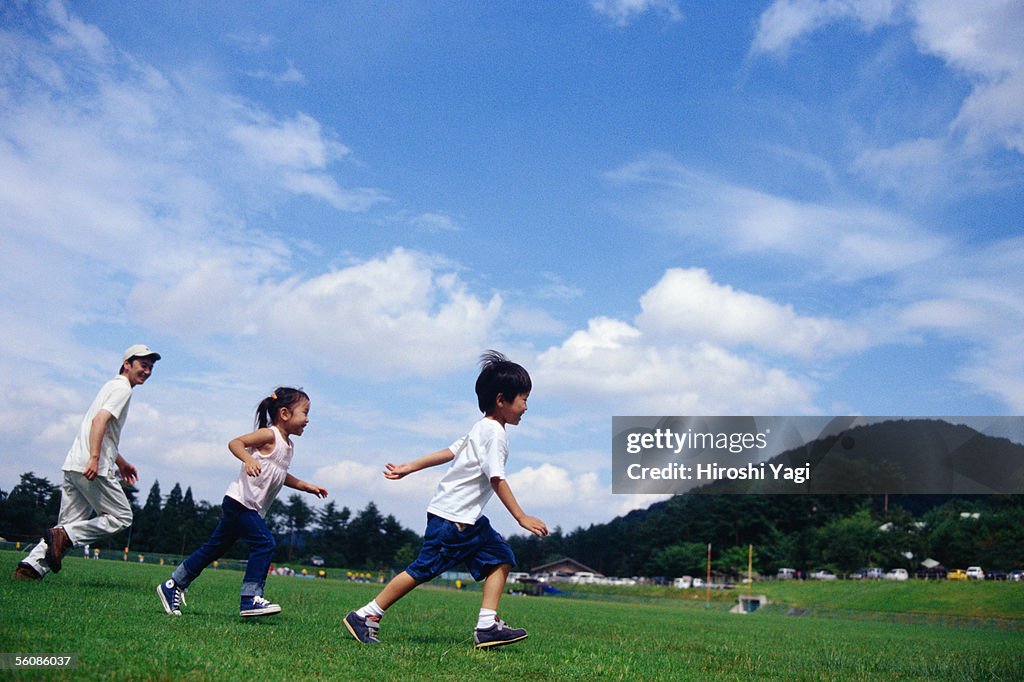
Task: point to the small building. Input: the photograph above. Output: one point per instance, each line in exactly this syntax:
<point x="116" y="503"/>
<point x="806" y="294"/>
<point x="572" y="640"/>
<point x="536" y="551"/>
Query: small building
<point x="565" y="566"/>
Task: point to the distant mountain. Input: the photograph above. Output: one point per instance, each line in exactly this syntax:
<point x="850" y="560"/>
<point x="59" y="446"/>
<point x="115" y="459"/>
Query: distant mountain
<point x="908" y="456"/>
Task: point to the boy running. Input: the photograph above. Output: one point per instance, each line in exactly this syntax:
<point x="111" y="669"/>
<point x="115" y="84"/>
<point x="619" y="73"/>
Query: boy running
<point x="457" y="531"/>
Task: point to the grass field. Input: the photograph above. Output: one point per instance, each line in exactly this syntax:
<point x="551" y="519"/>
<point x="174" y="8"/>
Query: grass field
<point x="968" y="599"/>
<point x="108" y="614"/>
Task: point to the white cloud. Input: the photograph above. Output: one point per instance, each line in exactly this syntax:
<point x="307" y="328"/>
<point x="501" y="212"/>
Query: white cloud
<point x="973" y="302"/>
<point x="552" y="493"/>
<point x="976" y="301"/>
<point x="553" y="287"/>
<point x="251" y="41"/>
<point x="688" y="304"/>
<point x="622" y="12"/>
<point x="435" y="222"/>
<point x="425" y="319"/>
<point x="298" y="143"/>
<point x="980" y="39"/>
<point x="76" y="34"/>
<point x="998" y="369"/>
<point x="840" y="242"/>
<point x="148" y="170"/>
<point x="785" y="21"/>
<point x="615" y="364"/>
<point x="290" y="75"/>
<point x="995" y="111"/>
<point x="298" y="152"/>
<point x="915" y="168"/>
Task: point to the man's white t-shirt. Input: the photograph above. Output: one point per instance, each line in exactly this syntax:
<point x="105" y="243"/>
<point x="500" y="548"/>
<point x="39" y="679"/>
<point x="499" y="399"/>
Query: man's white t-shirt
<point x="114" y="397"/>
<point x="480" y="455"/>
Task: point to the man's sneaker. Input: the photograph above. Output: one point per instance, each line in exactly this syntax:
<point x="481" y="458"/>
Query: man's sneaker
<point x="363" y="629"/>
<point x="257" y="606"/>
<point x="171" y="596"/>
<point x="25" y="572"/>
<point x="497" y="635"/>
<point x="57" y="542"/>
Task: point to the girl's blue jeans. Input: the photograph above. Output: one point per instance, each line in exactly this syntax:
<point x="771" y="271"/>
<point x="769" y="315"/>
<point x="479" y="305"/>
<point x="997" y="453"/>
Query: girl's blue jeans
<point x="237" y="522"/>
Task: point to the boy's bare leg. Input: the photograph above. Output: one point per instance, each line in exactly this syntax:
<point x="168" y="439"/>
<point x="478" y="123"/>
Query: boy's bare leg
<point x="401" y="585"/>
<point x="494" y="586"/>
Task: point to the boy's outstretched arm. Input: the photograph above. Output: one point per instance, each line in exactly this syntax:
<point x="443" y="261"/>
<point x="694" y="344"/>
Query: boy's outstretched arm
<point x="397" y="471"/>
<point x="531" y="523"/>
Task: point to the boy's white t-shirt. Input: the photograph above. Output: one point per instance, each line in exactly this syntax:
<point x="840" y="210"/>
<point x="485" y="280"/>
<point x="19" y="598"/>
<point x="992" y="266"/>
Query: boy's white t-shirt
<point x="480" y="455"/>
<point x="259" y="492"/>
<point x="114" y="397"/>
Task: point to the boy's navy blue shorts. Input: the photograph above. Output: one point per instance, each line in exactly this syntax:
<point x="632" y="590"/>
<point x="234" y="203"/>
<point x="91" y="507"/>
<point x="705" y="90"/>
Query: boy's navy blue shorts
<point x="479" y="546"/>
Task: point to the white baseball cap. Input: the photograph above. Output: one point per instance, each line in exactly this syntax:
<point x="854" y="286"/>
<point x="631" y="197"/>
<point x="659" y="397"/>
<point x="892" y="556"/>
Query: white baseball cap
<point x="140" y="350"/>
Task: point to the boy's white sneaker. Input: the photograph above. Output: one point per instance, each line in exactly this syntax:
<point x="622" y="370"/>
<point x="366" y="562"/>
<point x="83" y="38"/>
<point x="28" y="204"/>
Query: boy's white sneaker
<point x="498" y="634"/>
<point x="363" y="629"/>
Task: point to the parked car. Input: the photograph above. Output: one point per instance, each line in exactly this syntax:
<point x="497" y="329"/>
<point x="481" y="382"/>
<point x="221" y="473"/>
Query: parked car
<point x="957" y="574"/>
<point x="823" y="574"/>
<point x="316" y="560"/>
<point x="869" y="573"/>
<point x="786" y="574"/>
<point x="995" y="575"/>
<point x="975" y="573"/>
<point x="933" y="573"/>
<point x="897" y="574"/>
<point x="1016" y="575"/>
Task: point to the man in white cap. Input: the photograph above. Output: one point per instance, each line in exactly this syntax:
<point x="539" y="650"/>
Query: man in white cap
<point x="90" y="472"/>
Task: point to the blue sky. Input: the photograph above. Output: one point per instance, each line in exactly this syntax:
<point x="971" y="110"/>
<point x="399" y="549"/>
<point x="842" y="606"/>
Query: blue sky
<point x="658" y="207"/>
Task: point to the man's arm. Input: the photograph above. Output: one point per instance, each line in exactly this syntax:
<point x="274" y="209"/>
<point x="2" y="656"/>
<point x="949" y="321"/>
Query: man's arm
<point x="504" y="492"/>
<point x="397" y="471"/>
<point x="96" y="431"/>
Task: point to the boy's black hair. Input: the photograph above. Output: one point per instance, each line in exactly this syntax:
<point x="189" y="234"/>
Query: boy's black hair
<point x="499" y="376"/>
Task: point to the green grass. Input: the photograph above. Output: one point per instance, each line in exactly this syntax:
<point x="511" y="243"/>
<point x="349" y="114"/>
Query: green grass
<point x="108" y="613"/>
<point x="966" y="599"/>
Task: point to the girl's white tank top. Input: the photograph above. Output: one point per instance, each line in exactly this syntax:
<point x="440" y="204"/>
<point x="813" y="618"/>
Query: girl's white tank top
<point x="259" y="492"/>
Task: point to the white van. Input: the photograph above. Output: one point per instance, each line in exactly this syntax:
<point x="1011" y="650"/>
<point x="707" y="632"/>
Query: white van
<point x="975" y="573"/>
<point x="785" y="574"/>
<point x="897" y="574"/>
<point x="583" y="578"/>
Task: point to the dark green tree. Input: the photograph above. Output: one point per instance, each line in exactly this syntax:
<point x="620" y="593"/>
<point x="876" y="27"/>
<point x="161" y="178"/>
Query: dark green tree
<point x="170" y="537"/>
<point x="845" y="544"/>
<point x="687" y="558"/>
<point x="29" y="509"/>
<point x="296" y="516"/>
<point x="148" y="519"/>
<point x="331" y="541"/>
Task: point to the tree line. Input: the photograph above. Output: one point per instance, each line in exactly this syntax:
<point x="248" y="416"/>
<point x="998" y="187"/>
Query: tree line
<point x="670" y="538"/>
<point x="178" y="524"/>
<point x="807" y="532"/>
